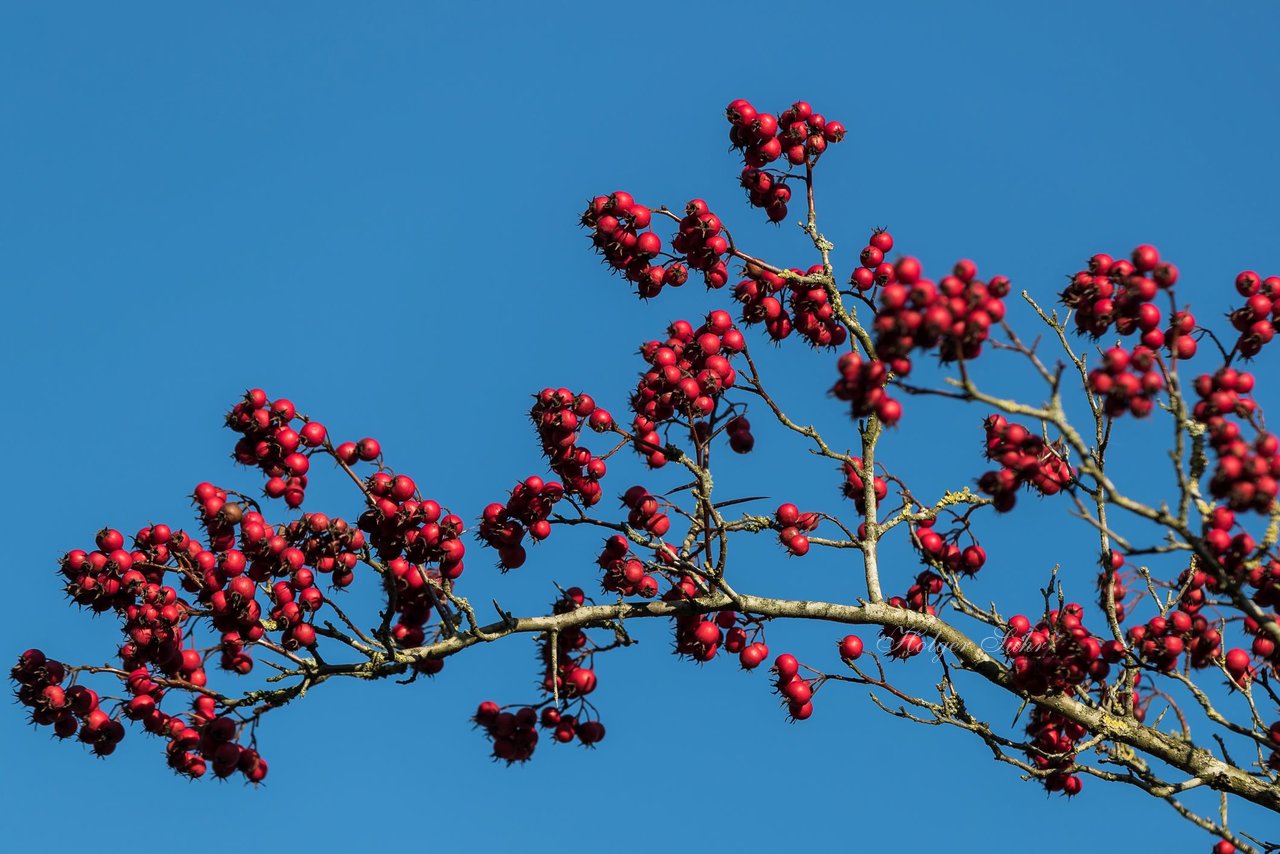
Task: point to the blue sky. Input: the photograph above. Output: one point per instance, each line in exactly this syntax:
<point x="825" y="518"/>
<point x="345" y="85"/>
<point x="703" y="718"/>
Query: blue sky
<point x="372" y="211"/>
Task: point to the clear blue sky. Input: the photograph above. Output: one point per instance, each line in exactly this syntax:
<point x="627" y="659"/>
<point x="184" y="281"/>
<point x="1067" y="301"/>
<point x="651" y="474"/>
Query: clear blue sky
<point x="372" y="211"/>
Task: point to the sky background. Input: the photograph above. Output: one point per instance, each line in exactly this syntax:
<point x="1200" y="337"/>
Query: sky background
<point x="372" y="210"/>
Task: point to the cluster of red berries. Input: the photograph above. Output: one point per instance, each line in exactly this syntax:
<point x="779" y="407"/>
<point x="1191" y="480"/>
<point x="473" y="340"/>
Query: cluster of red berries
<point x="739" y="430"/>
<point x="753" y="655"/>
<point x="904" y="643"/>
<point x="760" y="295"/>
<point x="398" y="523"/>
<point x="766" y="190"/>
<point x="645" y="514"/>
<point x="67" y="710"/>
<point x="797" y="133"/>
<point x="415" y="604"/>
<point x="796" y="691"/>
<point x="1231" y="551"/>
<point x="210" y="741"/>
<point x="700" y="240"/>
<point x="1119" y="293"/>
<point x="807" y="307"/>
<point x="330" y="546"/>
<point x="153" y="629"/>
<point x="503" y="526"/>
<point x="97" y="579"/>
<point x="623" y="573"/>
<point x="813" y="315"/>
<point x="1177" y="337"/>
<point x="862" y="386"/>
<point x="792" y="525"/>
<point x="1247" y="476"/>
<point x="271" y="443"/>
<point x="1118" y="582"/>
<point x="565" y="667"/>
<point x="700" y="638"/>
<point x="1259" y="318"/>
<point x="1058" y="653"/>
<point x="872" y="268"/>
<point x="619" y="222"/>
<point x="955" y="315"/>
<point x="1127" y="382"/>
<point x="565" y="728"/>
<point x="129" y="582"/>
<point x="1025" y="459"/>
<point x="1053" y="749"/>
<point x="1161" y="641"/>
<point x="854" y="488"/>
<point x="293" y="601"/>
<point x="936" y="551"/>
<point x="558" y="416"/>
<point x="1263" y="645"/>
<point x="687" y="374"/>
<point x="515" y="734"/>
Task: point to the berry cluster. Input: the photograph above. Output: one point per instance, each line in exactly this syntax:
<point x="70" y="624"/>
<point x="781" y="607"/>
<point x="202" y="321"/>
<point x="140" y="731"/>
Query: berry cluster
<point x="813" y="315"/>
<point x="1161" y="641"/>
<point x="271" y="443"/>
<point x="623" y="573"/>
<point x="96" y="580"/>
<point x="854" y="488"/>
<point x="687" y="374"/>
<point x="558" y="416"/>
<point x="209" y="740"/>
<point x="327" y="545"/>
<point x="766" y="190"/>
<point x="796" y="691"/>
<point x="797" y="133"/>
<point x="1025" y="459"/>
<point x="792" y="525"/>
<point x="753" y="655"/>
<point x="862" y="386"/>
<point x="873" y="269"/>
<point x="515" y="734"/>
<point x="955" y="315"/>
<point x="759" y="294"/>
<point x="619" y="222"/>
<point x="503" y="526"/>
<point x="700" y="638"/>
<point x="1178" y="336"/>
<point x="1259" y="318"/>
<point x="700" y="240"/>
<point x="807" y="306"/>
<point x="565" y="667"/>
<point x="1127" y="382"/>
<point x="740" y="439"/>
<point x="1053" y="749"/>
<point x="1058" y="653"/>
<point x="1246" y="475"/>
<point x="1119" y="293"/>
<point x="1119" y="587"/>
<point x="399" y="523"/>
<point x="293" y="601"/>
<point x="904" y="643"/>
<point x="936" y="551"/>
<point x="645" y="513"/>
<point x="70" y="710"/>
